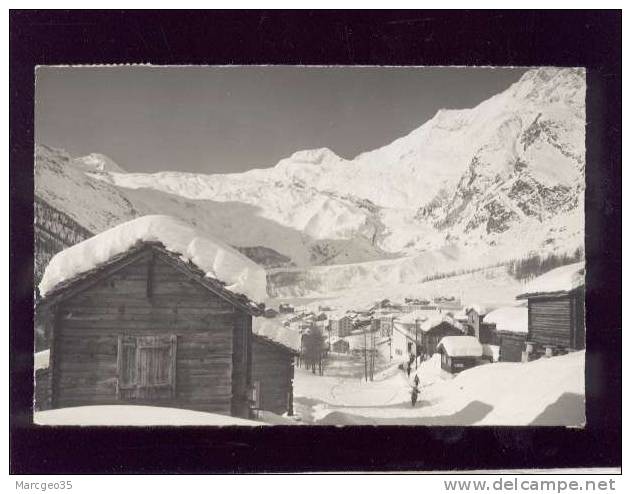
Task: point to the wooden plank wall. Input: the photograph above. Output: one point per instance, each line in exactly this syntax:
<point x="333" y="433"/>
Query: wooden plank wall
<point x="511" y="346"/>
<point x="85" y="348"/>
<point x="578" y="319"/>
<point x="549" y="321"/>
<point x="242" y="365"/>
<point x="431" y="339"/>
<point x="274" y="369"/>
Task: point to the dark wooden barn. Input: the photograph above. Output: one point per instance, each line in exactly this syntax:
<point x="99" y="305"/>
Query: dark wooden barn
<point x="146" y="327"/>
<point x="510" y="325"/>
<point x="430" y="338"/>
<point x="458" y="353"/>
<point x="556" y="310"/>
<point x="273" y="375"/>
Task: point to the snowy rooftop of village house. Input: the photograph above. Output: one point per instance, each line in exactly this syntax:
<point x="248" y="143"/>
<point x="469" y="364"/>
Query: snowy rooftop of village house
<point x="461" y="346"/>
<point x="476" y="307"/>
<point x="557" y="281"/>
<point x="217" y="260"/>
<point x="426" y="320"/>
<point x="514" y="319"/>
<point x="269" y="329"/>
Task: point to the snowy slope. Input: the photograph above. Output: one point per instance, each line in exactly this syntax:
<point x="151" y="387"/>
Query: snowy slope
<point x="468" y="186"/>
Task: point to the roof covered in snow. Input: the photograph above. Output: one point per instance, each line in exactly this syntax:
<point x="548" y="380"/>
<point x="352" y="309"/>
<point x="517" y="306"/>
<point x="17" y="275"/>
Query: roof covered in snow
<point x="216" y="260"/>
<point x="461" y="346"/>
<point x="274" y="332"/>
<point x="513" y="319"/>
<point x="427" y="320"/>
<point x="557" y="281"/>
<point x="476" y="307"/>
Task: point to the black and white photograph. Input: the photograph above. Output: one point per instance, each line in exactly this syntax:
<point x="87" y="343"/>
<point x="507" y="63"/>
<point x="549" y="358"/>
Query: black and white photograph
<point x="309" y="245"/>
<point x="315" y="241"/>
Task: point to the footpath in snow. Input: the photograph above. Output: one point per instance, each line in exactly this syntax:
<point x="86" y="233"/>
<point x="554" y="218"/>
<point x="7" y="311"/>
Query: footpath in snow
<point x="543" y="392"/>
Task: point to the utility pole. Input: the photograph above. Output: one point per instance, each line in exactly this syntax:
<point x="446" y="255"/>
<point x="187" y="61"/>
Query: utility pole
<point x="365" y="357"/>
<point x="416" y="343"/>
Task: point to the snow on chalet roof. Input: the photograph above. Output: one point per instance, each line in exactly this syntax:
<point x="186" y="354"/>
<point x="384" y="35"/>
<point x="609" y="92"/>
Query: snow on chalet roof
<point x="558" y="281"/>
<point x="427" y="320"/>
<point x="271" y="330"/>
<point x="513" y="319"/>
<point x="461" y="346"/>
<point x="216" y="259"/>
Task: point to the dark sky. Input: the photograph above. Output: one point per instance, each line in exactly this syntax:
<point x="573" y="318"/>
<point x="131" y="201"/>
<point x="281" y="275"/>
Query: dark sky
<point x="231" y="119"/>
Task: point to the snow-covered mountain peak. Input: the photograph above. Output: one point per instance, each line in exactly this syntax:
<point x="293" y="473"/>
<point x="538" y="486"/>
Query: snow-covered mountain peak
<point x="312" y="156"/>
<point x="97" y="162"/>
<point x="495" y="176"/>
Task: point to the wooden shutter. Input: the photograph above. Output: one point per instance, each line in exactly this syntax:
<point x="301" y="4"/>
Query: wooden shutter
<point x="146" y="367"/>
<point x="127" y="367"/>
<point x="156" y="366"/>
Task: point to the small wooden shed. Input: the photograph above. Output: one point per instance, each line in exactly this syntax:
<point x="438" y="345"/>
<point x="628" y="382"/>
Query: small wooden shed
<point x="511" y="328"/>
<point x="275" y="348"/>
<point x="146" y="327"/>
<point x="433" y="331"/>
<point x="459" y="353"/>
<point x="556" y="310"/>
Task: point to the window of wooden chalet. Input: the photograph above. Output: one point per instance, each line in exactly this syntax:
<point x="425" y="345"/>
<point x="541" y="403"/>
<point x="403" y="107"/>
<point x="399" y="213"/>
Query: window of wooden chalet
<point x="146" y="367"/>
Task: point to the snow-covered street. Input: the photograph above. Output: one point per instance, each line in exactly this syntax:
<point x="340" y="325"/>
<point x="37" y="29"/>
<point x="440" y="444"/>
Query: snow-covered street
<point x="543" y="392"/>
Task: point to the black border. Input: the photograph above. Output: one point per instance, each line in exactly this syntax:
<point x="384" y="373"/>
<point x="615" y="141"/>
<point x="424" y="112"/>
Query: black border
<point x="568" y="38"/>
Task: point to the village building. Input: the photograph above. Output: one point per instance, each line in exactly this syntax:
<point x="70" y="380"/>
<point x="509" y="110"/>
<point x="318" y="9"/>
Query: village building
<point x="556" y="311"/>
<point x="275" y="349"/>
<point x="485" y="333"/>
<point x="340" y="346"/>
<point x="341" y="325"/>
<point x="418" y="333"/>
<point x="458" y="353"/>
<point x="270" y="313"/>
<point x="286" y="309"/>
<point x="150" y="312"/>
<point x="511" y="329"/>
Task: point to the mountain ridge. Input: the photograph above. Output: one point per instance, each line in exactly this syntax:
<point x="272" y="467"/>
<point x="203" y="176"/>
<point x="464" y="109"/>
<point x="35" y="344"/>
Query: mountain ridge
<point x="505" y="174"/>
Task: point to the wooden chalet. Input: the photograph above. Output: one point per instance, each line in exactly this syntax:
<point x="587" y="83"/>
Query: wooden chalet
<point x="340" y="346"/>
<point x="484" y="332"/>
<point x="146" y="327"/>
<point x="459" y="353"/>
<point x="273" y="375"/>
<point x="511" y="329"/>
<point x="419" y="333"/>
<point x="556" y="311"/>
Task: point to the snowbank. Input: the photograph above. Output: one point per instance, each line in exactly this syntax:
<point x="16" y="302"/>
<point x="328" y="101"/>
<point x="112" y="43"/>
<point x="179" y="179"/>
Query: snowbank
<point x="514" y="319"/>
<point x="273" y="330"/>
<point x="520" y="394"/>
<point x="461" y="346"/>
<point x="212" y="256"/>
<point x="133" y="415"/>
<point x="559" y="280"/>
<point x="41" y="360"/>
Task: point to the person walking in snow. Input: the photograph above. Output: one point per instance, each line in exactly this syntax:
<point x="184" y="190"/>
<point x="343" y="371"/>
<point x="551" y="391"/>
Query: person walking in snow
<point x="416" y="380"/>
<point x="414" y="395"/>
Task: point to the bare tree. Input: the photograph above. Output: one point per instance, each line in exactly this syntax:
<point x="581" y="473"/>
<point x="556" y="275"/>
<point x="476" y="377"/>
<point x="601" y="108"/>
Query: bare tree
<point x="314" y="349"/>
